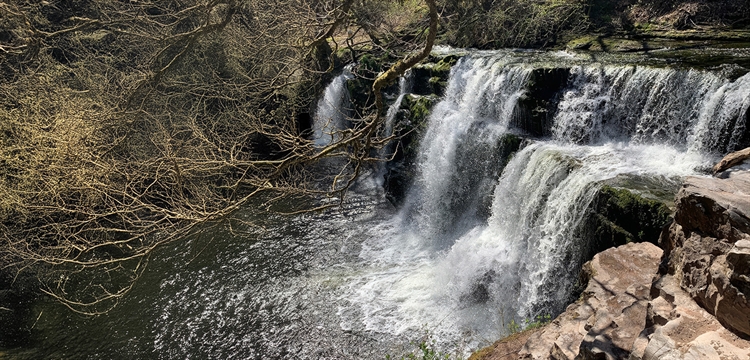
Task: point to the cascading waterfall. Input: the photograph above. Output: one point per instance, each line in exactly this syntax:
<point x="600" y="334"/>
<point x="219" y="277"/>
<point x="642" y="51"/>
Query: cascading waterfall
<point x="463" y="130"/>
<point x="332" y="110"/>
<point x="723" y="120"/>
<point x="404" y="87"/>
<point x="482" y="239"/>
<point x="443" y="265"/>
<point x="688" y="109"/>
<point x="632" y="103"/>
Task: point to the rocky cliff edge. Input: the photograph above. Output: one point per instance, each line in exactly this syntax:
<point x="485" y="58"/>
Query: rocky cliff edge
<point x="685" y="300"/>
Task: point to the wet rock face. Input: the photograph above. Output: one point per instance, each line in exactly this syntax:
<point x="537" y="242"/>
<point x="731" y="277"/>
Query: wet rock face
<point x="536" y="108"/>
<point x="410" y="125"/>
<point x="708" y="248"/>
<point x="618" y="216"/>
<point x="431" y="78"/>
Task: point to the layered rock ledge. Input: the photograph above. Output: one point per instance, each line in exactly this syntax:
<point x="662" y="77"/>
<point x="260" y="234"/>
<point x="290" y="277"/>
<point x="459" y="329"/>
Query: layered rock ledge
<point x="687" y="301"/>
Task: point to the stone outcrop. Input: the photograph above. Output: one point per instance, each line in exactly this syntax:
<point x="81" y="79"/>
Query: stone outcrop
<point x="619" y="215"/>
<point x="536" y="108"/>
<point x="708" y="249"/>
<point x="731" y="160"/>
<point x="605" y="322"/>
<point x="689" y="303"/>
<point x="608" y="318"/>
<point x="677" y="328"/>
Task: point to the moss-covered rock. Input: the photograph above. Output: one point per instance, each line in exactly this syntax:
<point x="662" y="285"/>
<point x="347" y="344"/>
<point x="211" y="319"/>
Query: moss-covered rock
<point x="582" y="43"/>
<point x="409" y="127"/>
<point x="432" y="77"/>
<point x="618" y="216"/>
<point x="360" y="94"/>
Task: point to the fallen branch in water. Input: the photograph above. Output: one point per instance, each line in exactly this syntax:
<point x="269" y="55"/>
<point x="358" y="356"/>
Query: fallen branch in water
<point x="731" y="160"/>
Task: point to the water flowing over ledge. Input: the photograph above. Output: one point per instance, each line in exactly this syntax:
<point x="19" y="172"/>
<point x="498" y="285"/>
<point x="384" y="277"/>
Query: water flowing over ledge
<point x="482" y="238"/>
<point x="447" y="264"/>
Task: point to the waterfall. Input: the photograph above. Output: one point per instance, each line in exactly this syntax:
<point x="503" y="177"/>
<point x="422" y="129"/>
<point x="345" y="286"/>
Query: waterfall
<point x="483" y="240"/>
<point x="404" y="87"/>
<point x="722" y="123"/>
<point x="689" y="109"/>
<point x="462" y="133"/>
<point x="332" y="110"/>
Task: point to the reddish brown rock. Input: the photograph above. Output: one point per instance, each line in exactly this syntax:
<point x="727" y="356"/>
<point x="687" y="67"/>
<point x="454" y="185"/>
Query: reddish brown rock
<point x="705" y="247"/>
<point x="611" y="313"/>
<point x="677" y="328"/>
<point x="731" y="160"/>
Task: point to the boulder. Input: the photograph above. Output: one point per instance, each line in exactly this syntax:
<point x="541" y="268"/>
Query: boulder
<point x="731" y="160"/>
<point x="708" y="249"/>
<point x="619" y="215"/>
<point x="605" y="322"/>
<point x="431" y="77"/>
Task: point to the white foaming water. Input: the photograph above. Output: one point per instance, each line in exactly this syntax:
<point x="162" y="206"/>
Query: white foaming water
<point x="632" y="103"/>
<point x="481" y="96"/>
<point x="404" y="87"/>
<point x="520" y="264"/>
<point x="331" y="113"/>
<point x="464" y="281"/>
<point x="723" y="118"/>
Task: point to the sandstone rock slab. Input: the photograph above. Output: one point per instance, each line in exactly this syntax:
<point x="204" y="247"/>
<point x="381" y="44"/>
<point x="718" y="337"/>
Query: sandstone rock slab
<point x="611" y="313"/>
<point x="708" y="249"/>
<point x="679" y="329"/>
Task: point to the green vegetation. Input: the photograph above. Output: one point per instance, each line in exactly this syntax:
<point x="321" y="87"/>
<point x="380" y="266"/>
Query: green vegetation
<point x="541" y="320"/>
<point x="513" y="23"/>
<point x="425" y="352"/>
<point x="531" y="23"/>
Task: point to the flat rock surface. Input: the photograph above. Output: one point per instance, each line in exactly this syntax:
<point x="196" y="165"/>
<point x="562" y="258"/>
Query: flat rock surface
<point x="677" y="328"/>
<point x="607" y="319"/>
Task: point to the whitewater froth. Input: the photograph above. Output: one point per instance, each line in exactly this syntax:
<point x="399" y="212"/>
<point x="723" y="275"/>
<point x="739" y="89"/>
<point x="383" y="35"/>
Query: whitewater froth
<point x="439" y="264"/>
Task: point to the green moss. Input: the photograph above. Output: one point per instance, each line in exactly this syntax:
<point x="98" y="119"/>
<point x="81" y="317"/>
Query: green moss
<point x="445" y="64"/>
<point x="431" y="77"/>
<point x="434" y="80"/>
<point x="582" y="43"/>
<point x="369" y="62"/>
<point x="635" y="217"/>
<point x="419" y="109"/>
